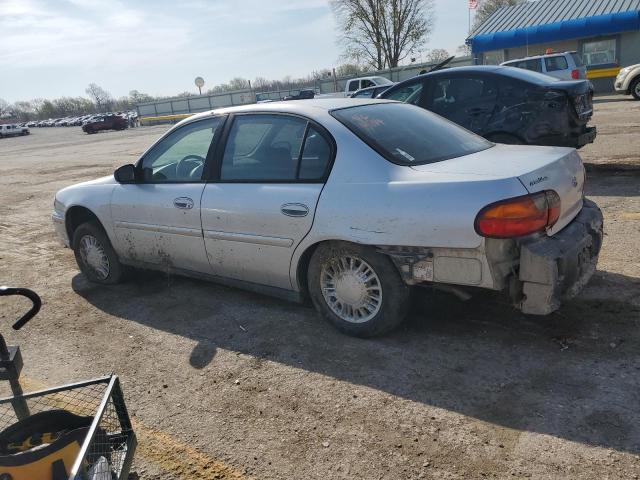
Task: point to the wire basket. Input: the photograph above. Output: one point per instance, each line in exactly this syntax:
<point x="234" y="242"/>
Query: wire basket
<point x="109" y="445"/>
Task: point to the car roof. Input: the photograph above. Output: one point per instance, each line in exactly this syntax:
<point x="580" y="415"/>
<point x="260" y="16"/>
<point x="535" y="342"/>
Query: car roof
<point x="311" y="108"/>
<point x="517" y="73"/>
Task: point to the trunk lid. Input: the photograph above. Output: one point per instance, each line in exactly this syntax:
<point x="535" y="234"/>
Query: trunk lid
<point x="537" y="168"/>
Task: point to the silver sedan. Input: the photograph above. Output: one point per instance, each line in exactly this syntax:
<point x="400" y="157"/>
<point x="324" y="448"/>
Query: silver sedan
<point x="350" y="203"/>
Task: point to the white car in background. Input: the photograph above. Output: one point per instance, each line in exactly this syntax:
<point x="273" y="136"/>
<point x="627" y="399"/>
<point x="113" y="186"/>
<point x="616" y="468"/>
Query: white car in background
<point x="10" y="130"/>
<point x="349" y="202"/>
<point x="628" y="81"/>
<point x="565" y="66"/>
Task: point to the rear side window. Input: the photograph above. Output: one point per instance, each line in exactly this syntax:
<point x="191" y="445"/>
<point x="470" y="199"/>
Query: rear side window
<point x="409" y="135"/>
<point x="533" y="65"/>
<point x="553" y="64"/>
<point x="281" y="148"/>
<point x="457" y="90"/>
<point x="316" y="156"/>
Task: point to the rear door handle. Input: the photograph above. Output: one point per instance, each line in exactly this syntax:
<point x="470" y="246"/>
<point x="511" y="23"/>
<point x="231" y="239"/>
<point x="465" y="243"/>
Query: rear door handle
<point x="294" y="210"/>
<point x="184" y="203"/>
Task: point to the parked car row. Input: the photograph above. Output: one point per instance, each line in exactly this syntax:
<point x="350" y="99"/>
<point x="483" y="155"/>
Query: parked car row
<point x="128" y="116"/>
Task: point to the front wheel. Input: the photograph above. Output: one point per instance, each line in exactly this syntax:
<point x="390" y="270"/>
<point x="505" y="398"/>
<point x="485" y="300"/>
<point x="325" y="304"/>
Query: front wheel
<point x="357" y="289"/>
<point x="635" y="88"/>
<point x="95" y="256"/>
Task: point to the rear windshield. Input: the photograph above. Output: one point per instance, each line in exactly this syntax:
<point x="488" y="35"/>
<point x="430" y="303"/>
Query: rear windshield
<point x="409" y="135"/>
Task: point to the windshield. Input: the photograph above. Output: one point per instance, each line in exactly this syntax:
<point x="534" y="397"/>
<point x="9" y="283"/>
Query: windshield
<point x="409" y="135"/>
<point x="382" y="81"/>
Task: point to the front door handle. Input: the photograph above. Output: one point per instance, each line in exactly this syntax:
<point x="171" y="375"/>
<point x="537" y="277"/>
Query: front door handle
<point x="294" y="210"/>
<point x="184" y="203"/>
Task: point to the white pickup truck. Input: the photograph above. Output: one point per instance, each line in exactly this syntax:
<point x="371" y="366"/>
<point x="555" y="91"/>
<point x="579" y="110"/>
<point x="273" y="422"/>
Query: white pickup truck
<point x="12" y="130"/>
<point x="356" y="84"/>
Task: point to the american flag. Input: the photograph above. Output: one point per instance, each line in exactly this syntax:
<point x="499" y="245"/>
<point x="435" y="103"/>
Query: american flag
<point x="473" y="4"/>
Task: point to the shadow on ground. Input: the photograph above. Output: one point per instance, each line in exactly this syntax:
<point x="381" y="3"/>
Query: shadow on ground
<point x="574" y="374"/>
<point x="610" y="99"/>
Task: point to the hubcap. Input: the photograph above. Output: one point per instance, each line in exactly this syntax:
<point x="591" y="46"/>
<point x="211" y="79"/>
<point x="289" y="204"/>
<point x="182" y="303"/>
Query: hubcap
<point x="93" y="256"/>
<point x="351" y="289"/>
<point x="637" y="89"/>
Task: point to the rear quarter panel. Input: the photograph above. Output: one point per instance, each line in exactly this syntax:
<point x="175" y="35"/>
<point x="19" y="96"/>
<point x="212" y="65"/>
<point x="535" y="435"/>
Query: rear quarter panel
<point x="368" y="200"/>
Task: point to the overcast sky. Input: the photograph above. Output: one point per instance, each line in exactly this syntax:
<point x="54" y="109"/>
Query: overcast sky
<point x="54" y="48"/>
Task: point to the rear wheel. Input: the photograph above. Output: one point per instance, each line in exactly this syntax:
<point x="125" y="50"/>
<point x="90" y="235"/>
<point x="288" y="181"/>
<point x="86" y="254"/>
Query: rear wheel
<point x="95" y="256"/>
<point x="635" y="88"/>
<point x="357" y="289"/>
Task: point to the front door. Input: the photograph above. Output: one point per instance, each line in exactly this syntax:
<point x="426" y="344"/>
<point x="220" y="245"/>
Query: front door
<point x="262" y="203"/>
<point x="157" y="219"/>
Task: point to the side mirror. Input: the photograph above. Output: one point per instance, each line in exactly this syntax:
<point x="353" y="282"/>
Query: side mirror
<point x="125" y="174"/>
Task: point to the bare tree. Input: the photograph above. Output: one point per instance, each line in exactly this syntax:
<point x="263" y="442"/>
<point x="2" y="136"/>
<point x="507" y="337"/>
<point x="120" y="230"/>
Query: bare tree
<point x="437" y="55"/>
<point x="488" y="7"/>
<point x="464" y="50"/>
<point x="382" y="33"/>
<point x="99" y="96"/>
<point x="4" y="107"/>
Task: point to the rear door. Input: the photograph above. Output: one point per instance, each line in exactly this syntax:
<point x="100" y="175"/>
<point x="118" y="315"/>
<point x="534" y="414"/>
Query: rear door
<point x="470" y="100"/>
<point x="262" y="198"/>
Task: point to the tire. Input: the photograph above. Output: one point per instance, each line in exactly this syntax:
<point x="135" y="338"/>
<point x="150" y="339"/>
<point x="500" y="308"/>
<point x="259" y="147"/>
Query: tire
<point x="86" y="239"/>
<point x="635" y="88"/>
<point x="505" y="138"/>
<point x="375" y="318"/>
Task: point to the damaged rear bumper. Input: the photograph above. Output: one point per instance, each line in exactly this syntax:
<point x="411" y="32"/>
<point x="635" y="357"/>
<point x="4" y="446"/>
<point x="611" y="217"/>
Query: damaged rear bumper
<point x="553" y="269"/>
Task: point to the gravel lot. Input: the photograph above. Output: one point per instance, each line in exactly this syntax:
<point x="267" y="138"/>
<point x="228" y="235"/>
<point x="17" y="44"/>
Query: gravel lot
<point x="228" y="384"/>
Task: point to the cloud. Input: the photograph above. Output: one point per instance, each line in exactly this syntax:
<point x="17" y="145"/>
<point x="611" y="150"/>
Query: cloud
<point x="85" y="35"/>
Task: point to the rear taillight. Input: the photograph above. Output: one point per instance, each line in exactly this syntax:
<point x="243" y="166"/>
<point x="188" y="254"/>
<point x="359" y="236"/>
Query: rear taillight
<point x="516" y="217"/>
<point x="575" y="74"/>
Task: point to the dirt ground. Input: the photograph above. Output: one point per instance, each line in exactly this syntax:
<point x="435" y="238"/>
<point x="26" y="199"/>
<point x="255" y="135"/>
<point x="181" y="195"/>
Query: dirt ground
<point x="222" y="383"/>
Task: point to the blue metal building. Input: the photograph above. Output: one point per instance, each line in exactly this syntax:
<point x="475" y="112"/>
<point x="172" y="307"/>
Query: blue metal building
<point x="606" y="33"/>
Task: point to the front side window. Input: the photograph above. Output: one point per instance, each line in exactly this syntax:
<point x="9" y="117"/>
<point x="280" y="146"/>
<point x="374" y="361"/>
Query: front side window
<point x="601" y="52"/>
<point x="180" y="156"/>
<point x="281" y="148"/>
<point x="553" y="64"/>
<point x="409" y="135"/>
<point x="353" y="85"/>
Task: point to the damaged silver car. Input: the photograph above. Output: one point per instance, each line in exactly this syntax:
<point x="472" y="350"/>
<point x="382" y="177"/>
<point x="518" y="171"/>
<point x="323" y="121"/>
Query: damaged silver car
<point x="348" y="202"/>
